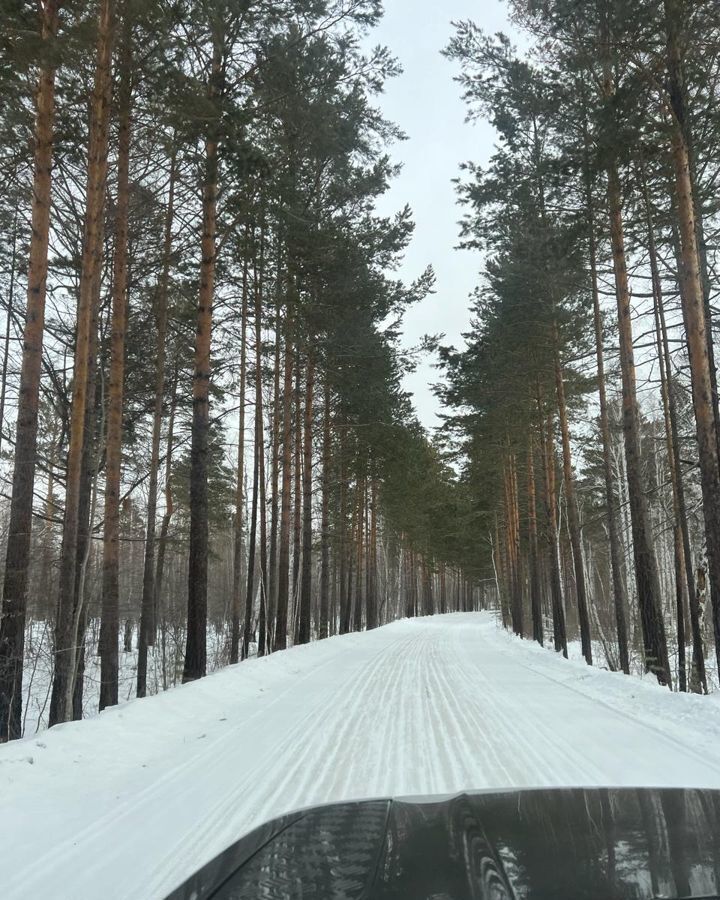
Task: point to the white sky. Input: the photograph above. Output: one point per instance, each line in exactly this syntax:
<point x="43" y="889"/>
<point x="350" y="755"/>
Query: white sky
<point x="425" y="102"/>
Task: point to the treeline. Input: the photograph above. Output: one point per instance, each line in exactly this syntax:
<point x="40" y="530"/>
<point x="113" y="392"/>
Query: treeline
<point x="206" y="439"/>
<point x="585" y="403"/>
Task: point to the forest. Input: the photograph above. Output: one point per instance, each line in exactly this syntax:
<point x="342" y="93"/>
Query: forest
<point x="207" y="450"/>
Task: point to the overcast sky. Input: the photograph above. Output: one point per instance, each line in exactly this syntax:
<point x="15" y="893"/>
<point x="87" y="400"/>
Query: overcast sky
<point x="425" y="102"/>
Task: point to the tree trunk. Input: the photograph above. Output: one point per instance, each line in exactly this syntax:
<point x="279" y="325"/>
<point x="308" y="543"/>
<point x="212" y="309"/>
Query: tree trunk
<point x="573" y="517"/>
<point x="306" y="576"/>
<point x="297" y="503"/>
<point x="195" y="648"/>
<point x="409" y="588"/>
<point x="535" y="590"/>
<point x="443" y="590"/>
<point x="371" y="599"/>
<point x="512" y="545"/>
<point x="147" y="629"/>
<point x="325" y="517"/>
<point x="619" y="602"/>
<point x="428" y="598"/>
<point x="684" y="576"/>
<point x="696" y="325"/>
<point x="281" y="620"/>
<point x="8" y="322"/>
<point x="344" y="542"/>
<point x="359" y="556"/>
<point x="110" y="624"/>
<point x="165" y="524"/>
<point x="274" y="477"/>
<point x="252" y="543"/>
<point x="550" y="497"/>
<point x="653" y="626"/>
<point x="12" y="620"/>
<point x="65" y="630"/>
<point x="260" y="450"/>
<point x="239" y="485"/>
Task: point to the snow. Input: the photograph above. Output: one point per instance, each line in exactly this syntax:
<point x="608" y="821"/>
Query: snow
<point x="130" y="803"/>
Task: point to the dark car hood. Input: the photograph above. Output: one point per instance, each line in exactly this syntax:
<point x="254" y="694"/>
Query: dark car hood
<point x="556" y="844"/>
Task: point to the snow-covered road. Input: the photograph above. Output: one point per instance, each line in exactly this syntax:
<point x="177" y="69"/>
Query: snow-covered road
<point x="130" y="803"/>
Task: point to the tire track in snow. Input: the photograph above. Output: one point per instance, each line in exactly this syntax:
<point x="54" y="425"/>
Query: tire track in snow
<point x="439" y="696"/>
<point x="541" y="757"/>
<point x="249" y="802"/>
<point x="493" y="717"/>
<point x="339" y="743"/>
<point x="215" y="753"/>
<point x="482" y="755"/>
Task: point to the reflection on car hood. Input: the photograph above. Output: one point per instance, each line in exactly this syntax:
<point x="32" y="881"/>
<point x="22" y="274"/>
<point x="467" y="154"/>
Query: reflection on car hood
<point x="569" y="844"/>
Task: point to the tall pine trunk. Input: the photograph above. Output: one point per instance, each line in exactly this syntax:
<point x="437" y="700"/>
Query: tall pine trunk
<point x="239" y="485"/>
<point x="684" y="575"/>
<point x="359" y="555"/>
<point x="344" y="550"/>
<point x="550" y="497"/>
<point x="17" y="559"/>
<point x="274" y="476"/>
<point x="371" y="598"/>
<point x="325" y="516"/>
<point x="260" y="450"/>
<point x="252" y="545"/>
<point x="85" y="345"/>
<point x="648" y="587"/>
<point x="694" y="315"/>
<point x="147" y="629"/>
<point x="619" y="602"/>
<point x="572" y="510"/>
<point x="110" y="624"/>
<point x="297" y="502"/>
<point x="307" y="486"/>
<point x="535" y="590"/>
<point x="195" y="647"/>
<point x="169" y="504"/>
<point x="9" y="314"/>
<point x="281" y="618"/>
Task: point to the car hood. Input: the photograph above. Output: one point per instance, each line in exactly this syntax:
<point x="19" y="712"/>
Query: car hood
<point x="560" y="844"/>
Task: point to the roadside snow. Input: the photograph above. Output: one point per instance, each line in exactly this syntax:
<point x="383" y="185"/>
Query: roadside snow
<point x="130" y="803"/>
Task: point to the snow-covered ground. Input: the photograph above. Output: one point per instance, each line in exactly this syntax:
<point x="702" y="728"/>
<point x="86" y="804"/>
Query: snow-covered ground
<point x="130" y="803"/>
